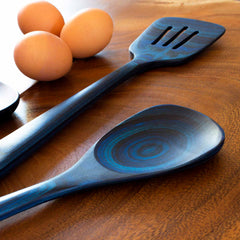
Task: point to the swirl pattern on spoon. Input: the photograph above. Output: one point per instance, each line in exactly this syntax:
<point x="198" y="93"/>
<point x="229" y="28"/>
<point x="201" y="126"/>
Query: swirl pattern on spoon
<point x="153" y="141"/>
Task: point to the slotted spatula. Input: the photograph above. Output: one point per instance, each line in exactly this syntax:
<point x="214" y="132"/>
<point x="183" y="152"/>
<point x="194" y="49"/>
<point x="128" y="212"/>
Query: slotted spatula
<point x="167" y="42"/>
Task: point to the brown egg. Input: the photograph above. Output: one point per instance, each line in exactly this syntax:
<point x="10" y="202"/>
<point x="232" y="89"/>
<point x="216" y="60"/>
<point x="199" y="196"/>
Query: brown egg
<point x="88" y="32"/>
<point x="42" y="16"/>
<point x="43" y="56"/>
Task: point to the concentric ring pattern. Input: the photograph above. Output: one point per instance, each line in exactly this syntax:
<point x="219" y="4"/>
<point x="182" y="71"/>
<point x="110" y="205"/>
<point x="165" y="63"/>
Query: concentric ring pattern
<point x="150" y="141"/>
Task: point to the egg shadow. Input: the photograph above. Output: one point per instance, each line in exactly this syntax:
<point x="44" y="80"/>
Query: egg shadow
<point x="83" y="73"/>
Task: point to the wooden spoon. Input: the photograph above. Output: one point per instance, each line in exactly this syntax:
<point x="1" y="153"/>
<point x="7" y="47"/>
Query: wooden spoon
<point x="157" y="140"/>
<point x="9" y="99"/>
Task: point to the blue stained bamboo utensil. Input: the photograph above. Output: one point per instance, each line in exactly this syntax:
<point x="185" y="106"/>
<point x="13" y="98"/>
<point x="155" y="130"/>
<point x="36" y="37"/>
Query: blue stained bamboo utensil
<point x="167" y="42"/>
<point x="157" y="140"/>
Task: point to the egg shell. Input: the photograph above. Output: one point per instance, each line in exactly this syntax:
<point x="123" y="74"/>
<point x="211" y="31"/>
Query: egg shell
<point x="42" y="16"/>
<point x="43" y="56"/>
<point x="88" y="32"/>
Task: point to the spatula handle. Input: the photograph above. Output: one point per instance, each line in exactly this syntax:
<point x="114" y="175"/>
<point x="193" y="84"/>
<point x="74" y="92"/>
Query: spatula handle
<point x="17" y="144"/>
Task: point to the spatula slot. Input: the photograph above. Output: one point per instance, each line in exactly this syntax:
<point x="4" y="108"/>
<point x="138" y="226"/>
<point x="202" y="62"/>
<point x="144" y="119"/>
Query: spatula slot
<point x="185" y="40"/>
<point x="175" y="36"/>
<point x="161" y="35"/>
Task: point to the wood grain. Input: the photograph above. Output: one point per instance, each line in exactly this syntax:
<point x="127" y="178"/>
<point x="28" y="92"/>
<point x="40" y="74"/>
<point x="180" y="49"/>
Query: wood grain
<point x="201" y="203"/>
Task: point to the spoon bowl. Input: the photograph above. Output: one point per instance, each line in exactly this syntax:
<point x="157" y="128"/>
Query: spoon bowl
<point x="158" y="140"/>
<point x="9" y="99"/>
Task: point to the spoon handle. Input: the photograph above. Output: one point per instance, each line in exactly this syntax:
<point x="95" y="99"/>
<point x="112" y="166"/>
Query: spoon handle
<point x="29" y="197"/>
<point x="18" y="144"/>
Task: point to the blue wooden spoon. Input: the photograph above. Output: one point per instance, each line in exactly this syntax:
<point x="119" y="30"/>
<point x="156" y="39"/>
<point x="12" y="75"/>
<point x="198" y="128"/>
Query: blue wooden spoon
<point x="9" y="99"/>
<point x="166" y="42"/>
<point x="157" y="140"/>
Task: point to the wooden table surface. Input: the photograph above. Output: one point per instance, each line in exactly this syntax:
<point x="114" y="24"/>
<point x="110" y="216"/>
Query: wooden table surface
<point x="200" y="203"/>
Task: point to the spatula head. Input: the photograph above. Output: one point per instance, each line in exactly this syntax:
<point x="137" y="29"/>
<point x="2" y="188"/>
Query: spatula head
<point x="173" y="40"/>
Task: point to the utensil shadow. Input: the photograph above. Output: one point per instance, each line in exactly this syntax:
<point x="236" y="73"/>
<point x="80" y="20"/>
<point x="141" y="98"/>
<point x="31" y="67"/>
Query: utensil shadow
<point x="103" y="202"/>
